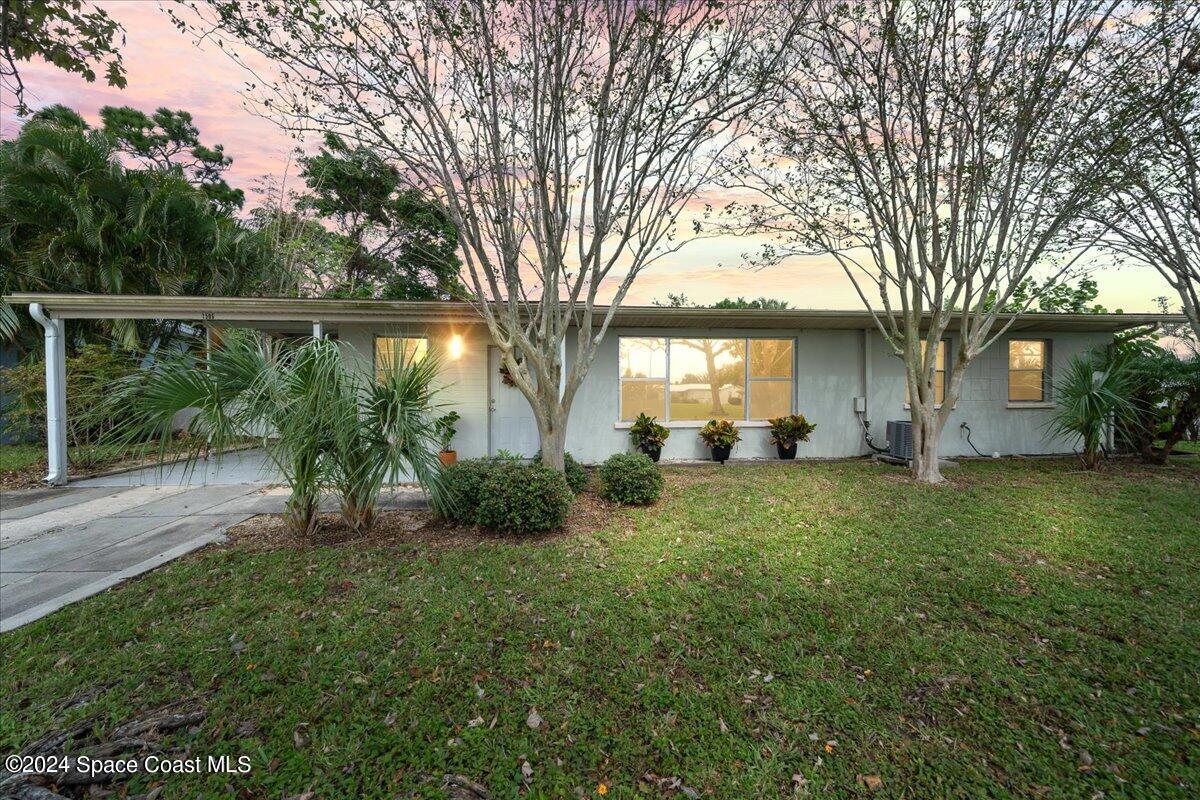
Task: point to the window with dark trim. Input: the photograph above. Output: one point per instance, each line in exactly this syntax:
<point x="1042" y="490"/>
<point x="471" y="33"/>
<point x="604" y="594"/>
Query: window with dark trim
<point x="698" y="379"/>
<point x="1027" y="360"/>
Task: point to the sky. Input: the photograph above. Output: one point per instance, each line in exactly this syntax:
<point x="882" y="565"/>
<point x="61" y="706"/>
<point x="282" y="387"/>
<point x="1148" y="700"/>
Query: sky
<point x="167" y="68"/>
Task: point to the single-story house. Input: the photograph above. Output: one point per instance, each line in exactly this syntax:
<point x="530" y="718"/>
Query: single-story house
<point x="682" y="365"/>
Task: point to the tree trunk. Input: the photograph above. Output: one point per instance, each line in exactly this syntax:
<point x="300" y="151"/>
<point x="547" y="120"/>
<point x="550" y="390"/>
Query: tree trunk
<point x="552" y="437"/>
<point x="927" y="434"/>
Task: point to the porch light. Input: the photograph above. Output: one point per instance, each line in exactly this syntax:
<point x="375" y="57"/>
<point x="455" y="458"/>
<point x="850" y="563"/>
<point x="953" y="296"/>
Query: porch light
<point x="456" y="347"/>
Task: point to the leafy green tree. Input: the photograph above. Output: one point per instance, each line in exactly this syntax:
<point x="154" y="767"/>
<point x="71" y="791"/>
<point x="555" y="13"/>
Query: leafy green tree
<point x="72" y="35"/>
<point x="72" y="218"/>
<point x="1050" y="296"/>
<point x="401" y="245"/>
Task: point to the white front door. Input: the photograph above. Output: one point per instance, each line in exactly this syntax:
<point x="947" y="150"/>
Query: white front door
<point x="511" y="426"/>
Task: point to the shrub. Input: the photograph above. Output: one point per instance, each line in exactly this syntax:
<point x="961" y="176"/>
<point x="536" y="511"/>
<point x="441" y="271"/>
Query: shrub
<point x="573" y="471"/>
<point x="786" y="431"/>
<point x="647" y="433"/>
<point x="720" y="432"/>
<point x="1089" y="394"/>
<point x="92" y="375"/>
<point x="522" y="498"/>
<point x="630" y="478"/>
<point x="463" y="482"/>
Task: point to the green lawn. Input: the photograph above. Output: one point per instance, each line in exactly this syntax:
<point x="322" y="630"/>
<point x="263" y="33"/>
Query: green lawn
<point x="20" y="456"/>
<point x="783" y="631"/>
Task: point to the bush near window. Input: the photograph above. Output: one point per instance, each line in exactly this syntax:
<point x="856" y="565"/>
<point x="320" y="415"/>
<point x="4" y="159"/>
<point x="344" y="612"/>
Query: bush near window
<point x="630" y="478"/>
<point x="523" y="498"/>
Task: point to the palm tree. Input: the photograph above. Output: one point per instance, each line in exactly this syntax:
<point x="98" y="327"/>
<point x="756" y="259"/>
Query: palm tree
<point x="326" y="423"/>
<point x="1092" y="393"/>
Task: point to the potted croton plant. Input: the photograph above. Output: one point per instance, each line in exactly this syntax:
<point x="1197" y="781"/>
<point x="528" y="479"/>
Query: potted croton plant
<point x="445" y="428"/>
<point x="720" y="435"/>
<point x="648" y="436"/>
<point x="787" y="431"/>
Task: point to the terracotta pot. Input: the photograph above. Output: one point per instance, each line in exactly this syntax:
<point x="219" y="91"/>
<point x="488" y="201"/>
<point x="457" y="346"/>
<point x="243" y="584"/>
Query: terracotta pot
<point x="448" y="457"/>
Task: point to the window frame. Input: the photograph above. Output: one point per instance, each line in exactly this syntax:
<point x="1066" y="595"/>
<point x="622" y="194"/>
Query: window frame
<point x="745" y="419"/>
<point x="375" y="345"/>
<point x="1046" y="382"/>
<point x="944" y="346"/>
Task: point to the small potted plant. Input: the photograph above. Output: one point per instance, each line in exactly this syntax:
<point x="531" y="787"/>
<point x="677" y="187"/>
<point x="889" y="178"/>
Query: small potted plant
<point x="787" y="431"/>
<point x="720" y="435"/>
<point x="444" y="426"/>
<point x="648" y="436"/>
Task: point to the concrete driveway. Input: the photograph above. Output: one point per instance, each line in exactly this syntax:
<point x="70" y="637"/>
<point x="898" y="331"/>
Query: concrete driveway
<point x="59" y="545"/>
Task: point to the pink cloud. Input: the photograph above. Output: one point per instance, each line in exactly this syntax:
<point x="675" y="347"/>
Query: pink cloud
<point x="167" y="68"/>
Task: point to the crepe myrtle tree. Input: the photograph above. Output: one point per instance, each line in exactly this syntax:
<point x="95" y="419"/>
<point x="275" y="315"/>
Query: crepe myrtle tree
<point x="1150" y="209"/>
<point x="564" y="139"/>
<point x="943" y="153"/>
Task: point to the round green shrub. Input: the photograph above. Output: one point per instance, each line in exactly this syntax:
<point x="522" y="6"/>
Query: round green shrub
<point x="523" y="498"/>
<point x="462" y="483"/>
<point x="574" y="471"/>
<point x="630" y="478"/>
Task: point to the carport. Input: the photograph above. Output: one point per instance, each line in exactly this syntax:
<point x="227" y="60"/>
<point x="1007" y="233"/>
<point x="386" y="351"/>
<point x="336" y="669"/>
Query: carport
<point x="278" y="316"/>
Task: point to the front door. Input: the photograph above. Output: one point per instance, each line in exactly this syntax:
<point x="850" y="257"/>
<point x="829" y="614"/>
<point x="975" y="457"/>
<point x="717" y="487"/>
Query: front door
<point x="511" y="425"/>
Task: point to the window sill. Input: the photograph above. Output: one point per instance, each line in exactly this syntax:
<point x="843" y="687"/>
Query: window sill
<point x="694" y="423"/>
<point x="1029" y="404"/>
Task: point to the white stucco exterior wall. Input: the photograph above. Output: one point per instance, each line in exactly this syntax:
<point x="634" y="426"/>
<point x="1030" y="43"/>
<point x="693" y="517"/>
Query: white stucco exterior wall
<point x="832" y="367"/>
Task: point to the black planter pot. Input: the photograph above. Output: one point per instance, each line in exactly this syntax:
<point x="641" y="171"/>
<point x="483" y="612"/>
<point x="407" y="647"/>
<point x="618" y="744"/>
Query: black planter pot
<point x="788" y="452"/>
<point x="720" y="452"/>
<point x="650" y="450"/>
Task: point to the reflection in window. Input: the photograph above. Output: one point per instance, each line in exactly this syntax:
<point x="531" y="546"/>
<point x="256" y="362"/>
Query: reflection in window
<point x="708" y="379"/>
<point x="642" y="365"/>
<point x="391" y="351"/>
<point x="770" y="378"/>
<point x="703" y="379"/>
<point x="1027" y="370"/>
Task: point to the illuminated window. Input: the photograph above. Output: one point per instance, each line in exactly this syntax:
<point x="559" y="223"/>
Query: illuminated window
<point x="939" y="372"/>
<point x="1027" y="371"/>
<point x="703" y="379"/>
<point x="391" y="351"/>
<point x="643" y="369"/>
<point x="770" y="378"/>
<point x="708" y="379"/>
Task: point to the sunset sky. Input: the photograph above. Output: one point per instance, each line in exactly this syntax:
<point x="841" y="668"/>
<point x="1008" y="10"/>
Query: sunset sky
<point x="166" y="68"/>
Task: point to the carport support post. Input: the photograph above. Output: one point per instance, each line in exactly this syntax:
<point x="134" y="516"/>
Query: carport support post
<point x="56" y="394"/>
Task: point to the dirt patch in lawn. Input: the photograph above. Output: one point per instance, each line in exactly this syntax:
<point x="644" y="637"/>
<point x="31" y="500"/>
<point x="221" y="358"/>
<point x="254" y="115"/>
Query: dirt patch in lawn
<point x="408" y="527"/>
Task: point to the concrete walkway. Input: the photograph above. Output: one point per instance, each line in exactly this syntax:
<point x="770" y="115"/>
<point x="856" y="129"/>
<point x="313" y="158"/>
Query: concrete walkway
<point x="59" y="545"/>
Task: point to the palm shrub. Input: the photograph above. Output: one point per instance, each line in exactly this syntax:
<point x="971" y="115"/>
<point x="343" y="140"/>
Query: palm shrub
<point x="1092" y="393"/>
<point x="327" y="423"/>
<point x="1166" y="394"/>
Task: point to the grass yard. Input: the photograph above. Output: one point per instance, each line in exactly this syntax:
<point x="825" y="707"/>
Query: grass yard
<point x="823" y="630"/>
<point x="15" y="457"/>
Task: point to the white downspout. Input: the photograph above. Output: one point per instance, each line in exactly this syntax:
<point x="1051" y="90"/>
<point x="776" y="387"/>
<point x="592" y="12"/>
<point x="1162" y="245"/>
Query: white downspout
<point x="56" y="394"/>
<point x="318" y="329"/>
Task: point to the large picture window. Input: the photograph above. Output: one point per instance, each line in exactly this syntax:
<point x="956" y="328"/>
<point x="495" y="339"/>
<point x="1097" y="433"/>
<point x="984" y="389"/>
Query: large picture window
<point x="703" y="379"/>
<point x="1027" y="371"/>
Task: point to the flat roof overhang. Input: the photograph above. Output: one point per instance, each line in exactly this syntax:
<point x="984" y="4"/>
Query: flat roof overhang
<point x="282" y="312"/>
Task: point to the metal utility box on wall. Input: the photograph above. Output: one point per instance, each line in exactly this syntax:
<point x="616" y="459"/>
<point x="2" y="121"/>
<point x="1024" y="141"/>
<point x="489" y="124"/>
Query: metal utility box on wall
<point x="899" y="436"/>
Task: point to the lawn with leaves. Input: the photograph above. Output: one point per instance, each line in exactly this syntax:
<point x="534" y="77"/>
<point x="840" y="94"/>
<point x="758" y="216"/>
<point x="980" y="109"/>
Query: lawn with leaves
<point x="824" y="630"/>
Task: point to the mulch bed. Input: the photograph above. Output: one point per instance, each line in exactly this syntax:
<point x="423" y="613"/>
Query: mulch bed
<point x="408" y="528"/>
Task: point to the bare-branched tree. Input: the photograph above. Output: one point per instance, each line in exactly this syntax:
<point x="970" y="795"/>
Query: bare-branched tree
<point x="1151" y="208"/>
<point x="564" y="138"/>
<point x="943" y="152"/>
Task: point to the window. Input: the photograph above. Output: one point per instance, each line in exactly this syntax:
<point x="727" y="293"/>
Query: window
<point x="643" y="370"/>
<point x="703" y="379"/>
<point x="939" y="372"/>
<point x="1027" y="371"/>
<point x="391" y="350"/>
